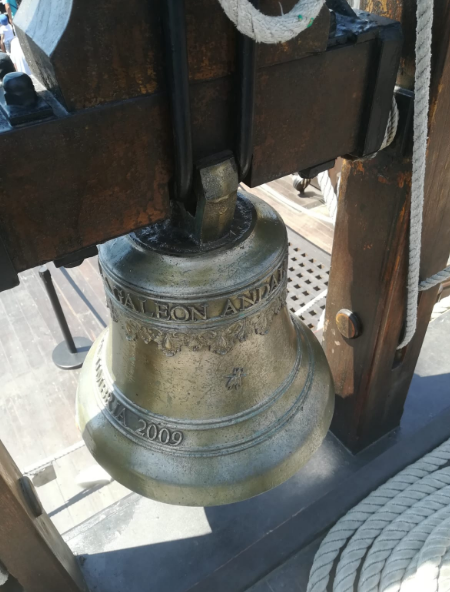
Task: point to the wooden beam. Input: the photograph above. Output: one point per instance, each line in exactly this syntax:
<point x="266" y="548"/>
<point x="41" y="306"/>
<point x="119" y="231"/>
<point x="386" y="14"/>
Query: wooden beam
<point x="369" y="263"/>
<point x="31" y="548"/>
<point x="104" y="166"/>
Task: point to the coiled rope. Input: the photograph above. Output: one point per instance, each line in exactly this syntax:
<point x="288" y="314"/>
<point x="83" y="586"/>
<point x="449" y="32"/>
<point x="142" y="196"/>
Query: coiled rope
<point x="330" y="196"/>
<point x="271" y="29"/>
<point x="392" y="541"/>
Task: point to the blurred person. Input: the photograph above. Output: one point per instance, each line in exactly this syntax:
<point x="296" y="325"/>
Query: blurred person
<point x="3" y="11"/>
<point x="6" y="34"/>
<point x="18" y="58"/>
<point x="11" y="7"/>
<point x="6" y="65"/>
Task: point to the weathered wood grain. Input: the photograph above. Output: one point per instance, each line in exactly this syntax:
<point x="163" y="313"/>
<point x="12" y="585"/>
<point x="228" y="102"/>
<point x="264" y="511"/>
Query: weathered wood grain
<point x="31" y="548"/>
<point x="369" y="265"/>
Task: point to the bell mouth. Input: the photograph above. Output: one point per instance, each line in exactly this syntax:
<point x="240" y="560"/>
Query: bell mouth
<point x="167" y="237"/>
<point x="162" y="465"/>
<point x="128" y="417"/>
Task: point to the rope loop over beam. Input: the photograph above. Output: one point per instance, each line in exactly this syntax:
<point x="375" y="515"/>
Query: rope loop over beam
<point x="271" y="29"/>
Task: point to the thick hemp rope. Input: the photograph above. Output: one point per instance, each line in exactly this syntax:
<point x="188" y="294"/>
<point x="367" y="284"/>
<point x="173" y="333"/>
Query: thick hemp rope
<point x="421" y="109"/>
<point x="376" y="546"/>
<point x="271" y="29"/>
<point x="435" y="279"/>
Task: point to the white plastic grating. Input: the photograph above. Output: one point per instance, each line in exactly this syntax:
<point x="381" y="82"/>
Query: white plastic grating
<point x="308" y="276"/>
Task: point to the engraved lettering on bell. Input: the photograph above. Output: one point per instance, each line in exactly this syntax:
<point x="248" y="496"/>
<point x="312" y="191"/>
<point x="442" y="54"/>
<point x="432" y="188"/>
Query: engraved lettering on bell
<point x="220" y="340"/>
<point x="204" y="389"/>
<point x="234" y="380"/>
<point x="129" y="418"/>
<point x="195" y="313"/>
<point x="153" y="432"/>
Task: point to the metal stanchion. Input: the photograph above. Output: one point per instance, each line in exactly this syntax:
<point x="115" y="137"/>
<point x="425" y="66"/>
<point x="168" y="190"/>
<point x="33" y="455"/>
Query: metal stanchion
<point x="70" y="353"/>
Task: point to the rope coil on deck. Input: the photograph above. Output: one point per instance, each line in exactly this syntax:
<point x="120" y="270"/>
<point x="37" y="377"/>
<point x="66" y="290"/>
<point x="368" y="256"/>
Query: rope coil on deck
<point x="397" y="539"/>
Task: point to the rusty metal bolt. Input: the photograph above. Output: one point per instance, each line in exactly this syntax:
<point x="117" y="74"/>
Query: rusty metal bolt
<point x="348" y="324"/>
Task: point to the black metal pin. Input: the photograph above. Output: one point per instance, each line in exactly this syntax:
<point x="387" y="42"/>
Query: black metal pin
<point x="70" y="353"/>
<point x="247" y="83"/>
<point x="177" y="70"/>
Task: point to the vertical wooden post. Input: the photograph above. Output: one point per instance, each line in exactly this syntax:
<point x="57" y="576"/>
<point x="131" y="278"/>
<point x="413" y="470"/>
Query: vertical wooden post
<point x="31" y="548"/>
<point x="369" y="262"/>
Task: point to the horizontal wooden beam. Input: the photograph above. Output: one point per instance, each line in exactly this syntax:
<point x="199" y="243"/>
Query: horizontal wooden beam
<point x="105" y="167"/>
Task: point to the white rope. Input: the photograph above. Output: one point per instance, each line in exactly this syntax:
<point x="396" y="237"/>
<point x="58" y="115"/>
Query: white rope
<point x="405" y="555"/>
<point x="4" y="575"/>
<point x="421" y="109"/>
<point x="423" y="572"/>
<point x="326" y="187"/>
<point x="392" y="125"/>
<point x="386" y="503"/>
<point x="271" y="29"/>
<point x="435" y="279"/>
<point x="329" y="195"/>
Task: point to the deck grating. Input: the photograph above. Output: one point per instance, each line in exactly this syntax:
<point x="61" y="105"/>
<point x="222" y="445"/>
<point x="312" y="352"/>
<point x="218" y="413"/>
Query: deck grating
<point x="308" y="276"/>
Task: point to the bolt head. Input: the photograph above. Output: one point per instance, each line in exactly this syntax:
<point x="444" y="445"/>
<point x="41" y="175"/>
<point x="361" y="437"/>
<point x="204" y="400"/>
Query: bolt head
<point x="348" y="324"/>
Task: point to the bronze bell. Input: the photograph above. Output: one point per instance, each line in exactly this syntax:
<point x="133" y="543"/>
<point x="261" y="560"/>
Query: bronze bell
<point x="204" y="389"/>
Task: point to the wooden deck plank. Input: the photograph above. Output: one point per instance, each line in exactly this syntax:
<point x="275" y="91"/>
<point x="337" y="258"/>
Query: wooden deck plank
<point x="13" y="348"/>
<point x="40" y="297"/>
<point x="11" y="304"/>
<point x="316" y="231"/>
<point x="40" y="331"/>
<point x="9" y="434"/>
<point x="28" y="342"/>
<point x="90" y="272"/>
<point x="55" y="505"/>
<point x="58" y="397"/>
<point x="26" y="447"/>
<point x="37" y="413"/>
<point x="310" y="199"/>
<point x="84" y="276"/>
